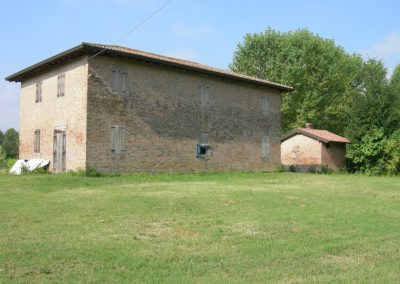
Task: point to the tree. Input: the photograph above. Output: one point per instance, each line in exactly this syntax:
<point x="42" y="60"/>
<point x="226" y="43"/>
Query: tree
<point x="11" y="143"/>
<point x="322" y="73"/>
<point x="1" y="137"/>
<point x="371" y="106"/>
<point x="2" y="157"/>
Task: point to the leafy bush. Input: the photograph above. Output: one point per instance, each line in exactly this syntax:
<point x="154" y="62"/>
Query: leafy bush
<point x="280" y="169"/>
<point x="10" y="163"/>
<point x="292" y="169"/>
<point x="392" y="154"/>
<point x="367" y="156"/>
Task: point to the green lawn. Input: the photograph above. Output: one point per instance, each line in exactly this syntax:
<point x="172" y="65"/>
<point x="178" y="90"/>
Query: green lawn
<point x="239" y="227"/>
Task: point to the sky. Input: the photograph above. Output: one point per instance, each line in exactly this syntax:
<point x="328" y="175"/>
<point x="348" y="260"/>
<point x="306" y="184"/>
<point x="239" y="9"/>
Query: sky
<point x="205" y="31"/>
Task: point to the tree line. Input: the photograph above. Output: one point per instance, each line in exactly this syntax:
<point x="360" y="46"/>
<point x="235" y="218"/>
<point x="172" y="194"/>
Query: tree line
<point x="335" y="90"/>
<point x="9" y="145"/>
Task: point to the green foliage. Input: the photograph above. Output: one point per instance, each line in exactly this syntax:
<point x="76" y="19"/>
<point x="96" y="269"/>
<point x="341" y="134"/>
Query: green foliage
<point x="280" y="169"/>
<point x="392" y="153"/>
<point x="367" y="156"/>
<point x="1" y="137"/>
<point x="321" y="72"/>
<point x="10" y="163"/>
<point x="11" y="143"/>
<point x="2" y="157"/>
<point x="292" y="169"/>
<point x="90" y="171"/>
<point x="336" y="91"/>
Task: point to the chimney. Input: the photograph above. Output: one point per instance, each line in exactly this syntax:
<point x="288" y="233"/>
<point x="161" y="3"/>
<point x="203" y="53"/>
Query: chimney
<point x="309" y="125"/>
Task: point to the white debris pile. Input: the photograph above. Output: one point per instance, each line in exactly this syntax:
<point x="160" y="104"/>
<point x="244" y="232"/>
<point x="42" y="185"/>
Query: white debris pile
<point x="29" y="165"/>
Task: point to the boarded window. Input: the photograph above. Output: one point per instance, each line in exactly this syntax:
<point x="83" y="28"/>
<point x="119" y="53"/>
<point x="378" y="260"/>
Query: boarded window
<point x="38" y="92"/>
<point x="118" y="138"/>
<point x="119" y="81"/>
<point x="264" y="104"/>
<point x="265" y="147"/>
<point x="61" y="85"/>
<point x="204" y="95"/>
<point x="36" y="141"/>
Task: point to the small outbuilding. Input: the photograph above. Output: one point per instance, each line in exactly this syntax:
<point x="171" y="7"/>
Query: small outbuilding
<point x="308" y="148"/>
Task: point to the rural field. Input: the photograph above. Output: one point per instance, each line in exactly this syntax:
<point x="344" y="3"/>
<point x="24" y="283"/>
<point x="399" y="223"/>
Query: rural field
<point x="231" y="227"/>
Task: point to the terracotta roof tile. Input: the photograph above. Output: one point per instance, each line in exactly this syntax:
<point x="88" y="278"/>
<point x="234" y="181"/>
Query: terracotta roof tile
<point x="318" y="134"/>
<point x="93" y="48"/>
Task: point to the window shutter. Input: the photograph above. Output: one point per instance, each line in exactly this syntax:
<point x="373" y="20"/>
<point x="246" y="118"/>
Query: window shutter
<point x="204" y="95"/>
<point x="264" y="104"/>
<point x="38" y="92"/>
<point x="124" y="76"/>
<point x="114" y="138"/>
<point x="115" y="80"/>
<point x="36" y="143"/>
<point x="122" y="138"/>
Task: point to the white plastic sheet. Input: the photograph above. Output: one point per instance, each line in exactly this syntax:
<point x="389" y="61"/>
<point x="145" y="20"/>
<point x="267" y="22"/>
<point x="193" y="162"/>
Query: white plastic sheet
<point x="30" y="165"/>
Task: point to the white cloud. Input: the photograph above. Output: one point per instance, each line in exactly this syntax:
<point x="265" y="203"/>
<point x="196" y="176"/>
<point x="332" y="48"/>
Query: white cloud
<point x="387" y="49"/>
<point x="199" y="32"/>
<point x="388" y="46"/>
<point x="184" y="54"/>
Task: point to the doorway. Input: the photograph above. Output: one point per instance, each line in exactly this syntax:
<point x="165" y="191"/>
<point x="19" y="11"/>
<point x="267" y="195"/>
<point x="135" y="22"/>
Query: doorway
<point x="59" y="151"/>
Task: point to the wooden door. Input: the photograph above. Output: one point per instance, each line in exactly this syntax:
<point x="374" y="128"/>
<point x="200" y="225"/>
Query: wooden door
<point x="59" y="151"/>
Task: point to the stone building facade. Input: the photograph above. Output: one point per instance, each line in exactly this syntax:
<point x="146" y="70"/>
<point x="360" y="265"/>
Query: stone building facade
<point x="124" y="110"/>
<point x="306" y="148"/>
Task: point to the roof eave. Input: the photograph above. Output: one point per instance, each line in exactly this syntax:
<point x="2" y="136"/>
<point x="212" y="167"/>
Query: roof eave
<point x="299" y="131"/>
<point x="16" y="77"/>
<point x="87" y="48"/>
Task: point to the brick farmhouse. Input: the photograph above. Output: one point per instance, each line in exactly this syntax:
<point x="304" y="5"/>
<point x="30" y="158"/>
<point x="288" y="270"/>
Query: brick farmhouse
<point x="306" y="148"/>
<point x="118" y="109"/>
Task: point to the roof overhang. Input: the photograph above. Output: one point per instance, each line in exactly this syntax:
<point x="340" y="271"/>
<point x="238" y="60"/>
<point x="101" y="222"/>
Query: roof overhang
<point x="90" y="49"/>
<point x="313" y="136"/>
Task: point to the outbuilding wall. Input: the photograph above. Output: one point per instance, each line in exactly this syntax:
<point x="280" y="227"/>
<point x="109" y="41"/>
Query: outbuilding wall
<point x="301" y="151"/>
<point x="163" y="116"/>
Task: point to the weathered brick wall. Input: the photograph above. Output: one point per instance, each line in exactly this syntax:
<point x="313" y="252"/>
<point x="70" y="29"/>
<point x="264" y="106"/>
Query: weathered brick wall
<point x="67" y="112"/>
<point x="300" y="150"/>
<point x="334" y="156"/>
<point x="163" y="116"/>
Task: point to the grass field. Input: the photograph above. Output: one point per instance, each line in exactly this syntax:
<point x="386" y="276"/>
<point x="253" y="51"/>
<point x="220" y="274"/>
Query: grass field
<point x="239" y="227"/>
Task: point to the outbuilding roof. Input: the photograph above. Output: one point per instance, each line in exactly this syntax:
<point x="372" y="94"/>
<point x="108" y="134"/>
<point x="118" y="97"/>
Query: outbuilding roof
<point x="317" y="134"/>
<point x="93" y="49"/>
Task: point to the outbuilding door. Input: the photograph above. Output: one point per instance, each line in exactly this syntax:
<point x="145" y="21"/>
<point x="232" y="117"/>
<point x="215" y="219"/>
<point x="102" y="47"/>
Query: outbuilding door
<point x="59" y="151"/>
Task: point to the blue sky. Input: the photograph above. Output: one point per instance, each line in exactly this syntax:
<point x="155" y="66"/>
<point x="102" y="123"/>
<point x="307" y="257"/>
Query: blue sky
<point x="206" y="31"/>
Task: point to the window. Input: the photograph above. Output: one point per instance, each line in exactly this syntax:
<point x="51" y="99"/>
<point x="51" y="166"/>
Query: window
<point x="203" y="149"/>
<point x="61" y="85"/>
<point x="264" y="104"/>
<point x="265" y="148"/>
<point x="204" y="95"/>
<point x="36" y="141"/>
<point x="38" y="92"/>
<point x="119" y="81"/>
<point x="118" y="137"/>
